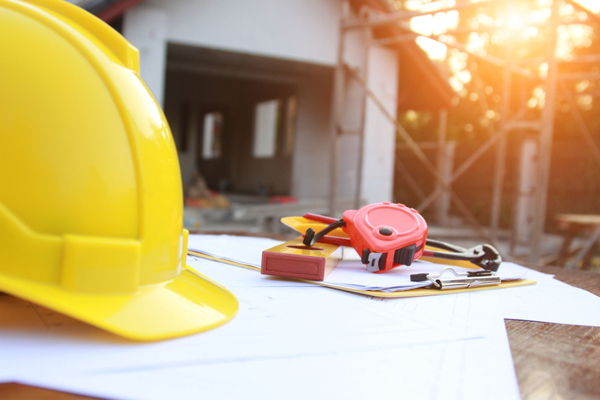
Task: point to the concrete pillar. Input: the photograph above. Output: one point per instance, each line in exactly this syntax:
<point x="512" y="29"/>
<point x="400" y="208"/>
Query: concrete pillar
<point x="528" y="180"/>
<point x="377" y="181"/>
<point x="146" y="28"/>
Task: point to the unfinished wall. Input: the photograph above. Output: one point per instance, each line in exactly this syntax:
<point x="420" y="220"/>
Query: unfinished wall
<point x="268" y="175"/>
<point x="306" y="32"/>
<point x="310" y="166"/>
<point x="190" y="96"/>
<point x="146" y="28"/>
<point x="200" y="94"/>
<point x="302" y="30"/>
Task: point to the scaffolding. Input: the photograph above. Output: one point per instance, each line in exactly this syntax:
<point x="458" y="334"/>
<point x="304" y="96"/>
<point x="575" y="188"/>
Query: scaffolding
<point x="497" y="137"/>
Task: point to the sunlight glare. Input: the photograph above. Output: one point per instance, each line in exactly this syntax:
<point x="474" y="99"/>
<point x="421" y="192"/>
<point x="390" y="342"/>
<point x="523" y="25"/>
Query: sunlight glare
<point x="566" y="10"/>
<point x="434" y="49"/>
<point x="452" y="19"/>
<point x="422" y="24"/>
<point x="530" y="32"/>
<point x="543" y="70"/>
<point x="434" y="5"/>
<point x="572" y="36"/>
<point x="465" y="76"/>
<point x="477" y="42"/>
<point x="592" y="5"/>
<point x="440" y="23"/>
<point x="538" y="98"/>
<point x="412" y="4"/>
<point x="582" y="86"/>
<point x="485" y="20"/>
<point x="514" y="22"/>
<point x="456" y="84"/>
<point x="585" y="101"/>
<point x="411" y="115"/>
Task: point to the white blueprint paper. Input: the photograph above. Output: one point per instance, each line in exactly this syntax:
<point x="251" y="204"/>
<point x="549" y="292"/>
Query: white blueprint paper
<point x="551" y="301"/>
<point x="286" y="342"/>
<point x="474" y="369"/>
<point x="273" y="322"/>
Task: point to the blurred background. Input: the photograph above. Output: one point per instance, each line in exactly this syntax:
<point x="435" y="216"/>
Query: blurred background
<point x="482" y="115"/>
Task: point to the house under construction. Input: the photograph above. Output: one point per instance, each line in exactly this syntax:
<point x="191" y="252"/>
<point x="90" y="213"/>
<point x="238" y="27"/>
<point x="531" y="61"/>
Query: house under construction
<point x="301" y="98"/>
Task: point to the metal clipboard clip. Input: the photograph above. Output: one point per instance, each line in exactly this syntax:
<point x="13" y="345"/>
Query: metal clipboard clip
<point x="459" y="280"/>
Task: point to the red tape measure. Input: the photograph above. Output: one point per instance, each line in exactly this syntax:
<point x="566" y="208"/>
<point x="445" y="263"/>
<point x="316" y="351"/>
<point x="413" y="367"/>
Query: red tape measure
<point x="387" y="235"/>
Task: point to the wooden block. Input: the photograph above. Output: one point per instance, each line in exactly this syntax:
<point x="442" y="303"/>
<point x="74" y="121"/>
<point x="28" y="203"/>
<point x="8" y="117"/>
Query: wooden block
<point x="293" y="259"/>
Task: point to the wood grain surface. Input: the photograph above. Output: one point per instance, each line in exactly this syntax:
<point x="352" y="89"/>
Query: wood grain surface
<point x="552" y="361"/>
<point x="555" y="361"/>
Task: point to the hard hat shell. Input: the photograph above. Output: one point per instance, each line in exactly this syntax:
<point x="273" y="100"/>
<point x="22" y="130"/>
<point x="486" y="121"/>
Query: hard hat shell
<point x="91" y="208"/>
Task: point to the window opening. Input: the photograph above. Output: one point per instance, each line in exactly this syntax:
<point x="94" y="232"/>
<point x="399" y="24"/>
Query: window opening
<point x="212" y="136"/>
<point x="266" y="122"/>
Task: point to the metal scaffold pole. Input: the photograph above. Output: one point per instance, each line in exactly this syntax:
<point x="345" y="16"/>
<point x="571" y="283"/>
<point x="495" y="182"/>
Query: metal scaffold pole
<point x="501" y="145"/>
<point x="339" y="83"/>
<point x="361" y="128"/>
<point x="546" y="134"/>
<point x="443" y="201"/>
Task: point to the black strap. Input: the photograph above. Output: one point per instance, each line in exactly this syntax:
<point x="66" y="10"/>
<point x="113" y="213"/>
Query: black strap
<point x="484" y="255"/>
<point x="310" y="238"/>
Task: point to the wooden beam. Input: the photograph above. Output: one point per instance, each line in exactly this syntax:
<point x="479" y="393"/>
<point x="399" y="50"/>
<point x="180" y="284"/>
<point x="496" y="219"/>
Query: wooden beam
<point x="339" y="83"/>
<point x="493" y="60"/>
<point x="579" y="6"/>
<point x="361" y="133"/>
<point x="575" y="76"/>
<point x="534" y="125"/>
<point x="458" y="172"/>
<point x="404" y="15"/>
<point x="444" y="166"/>
<point x="589" y="58"/>
<point x="429" y="145"/>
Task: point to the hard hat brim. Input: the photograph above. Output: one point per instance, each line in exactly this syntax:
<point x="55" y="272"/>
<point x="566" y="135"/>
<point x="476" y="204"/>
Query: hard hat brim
<point x="188" y="304"/>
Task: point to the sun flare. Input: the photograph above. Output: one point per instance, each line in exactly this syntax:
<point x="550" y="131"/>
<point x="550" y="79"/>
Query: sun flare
<point x="524" y="24"/>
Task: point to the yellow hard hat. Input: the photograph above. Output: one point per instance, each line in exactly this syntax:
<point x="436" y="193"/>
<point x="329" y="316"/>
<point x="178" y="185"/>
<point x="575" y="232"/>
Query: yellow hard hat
<point x="91" y="208"/>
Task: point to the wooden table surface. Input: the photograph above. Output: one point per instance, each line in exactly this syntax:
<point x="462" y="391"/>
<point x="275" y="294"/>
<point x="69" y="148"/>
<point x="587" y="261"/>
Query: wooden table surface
<point x="552" y="361"/>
